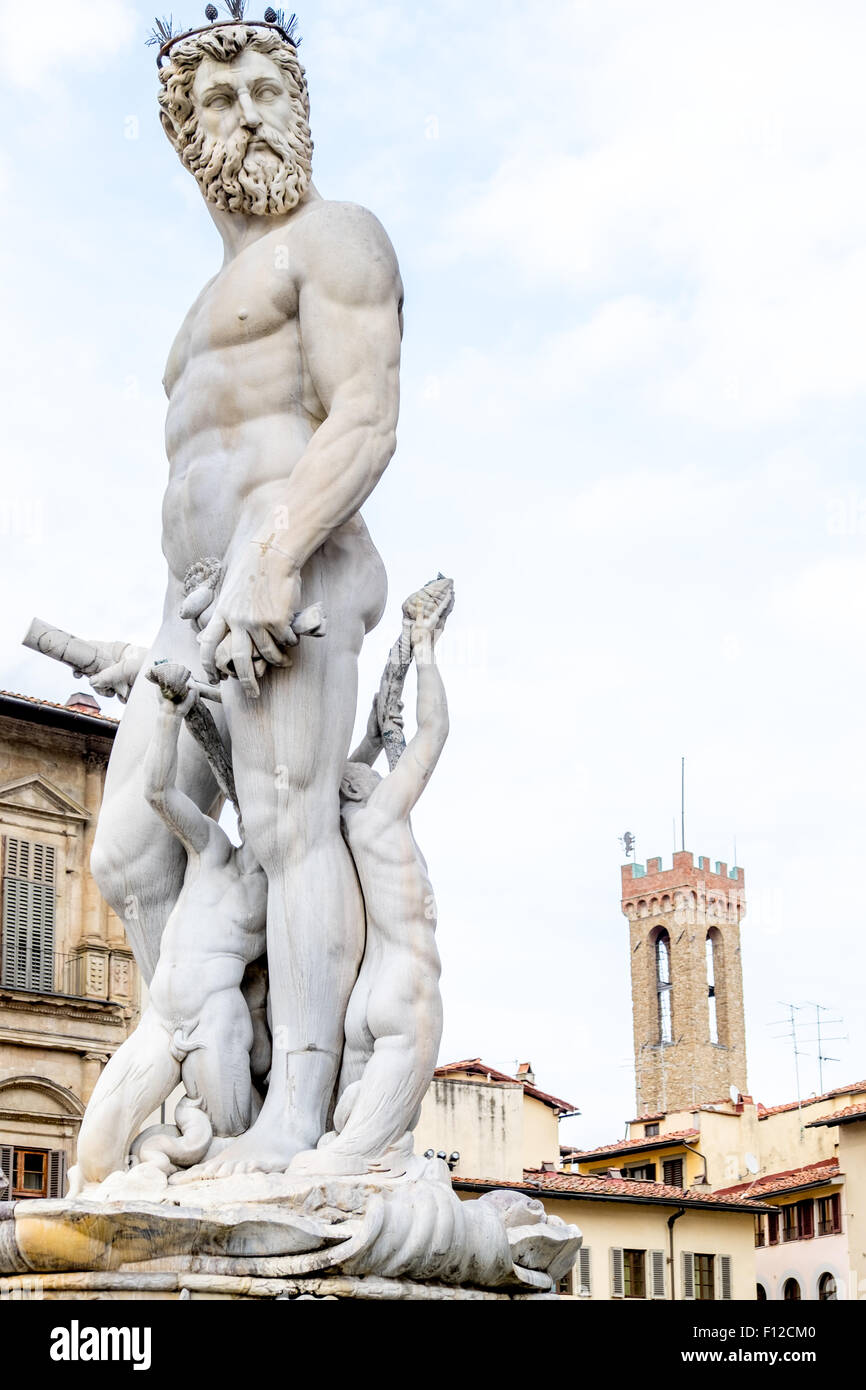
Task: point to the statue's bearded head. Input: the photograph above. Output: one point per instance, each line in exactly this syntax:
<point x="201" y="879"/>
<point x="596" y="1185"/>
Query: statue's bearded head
<point x="235" y="106"/>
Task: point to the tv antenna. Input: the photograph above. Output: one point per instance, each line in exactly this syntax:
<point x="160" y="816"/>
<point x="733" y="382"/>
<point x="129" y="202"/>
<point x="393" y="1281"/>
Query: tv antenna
<point x="821" y="1038"/>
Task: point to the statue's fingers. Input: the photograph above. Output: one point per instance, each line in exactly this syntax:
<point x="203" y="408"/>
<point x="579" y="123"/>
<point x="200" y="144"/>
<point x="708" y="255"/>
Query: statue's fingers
<point x="242" y="660"/>
<point x="223" y="657"/>
<point x="209" y="641"/>
<point x="283" y="633"/>
<point x="268" y="649"/>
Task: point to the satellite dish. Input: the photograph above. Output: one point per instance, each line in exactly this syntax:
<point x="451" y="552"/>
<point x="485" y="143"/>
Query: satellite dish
<point x="752" y="1165"/>
<point x="735" y="1095"/>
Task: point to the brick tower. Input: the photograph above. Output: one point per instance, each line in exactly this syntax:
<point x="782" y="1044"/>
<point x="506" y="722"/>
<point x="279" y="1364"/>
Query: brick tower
<point x="686" y="982"/>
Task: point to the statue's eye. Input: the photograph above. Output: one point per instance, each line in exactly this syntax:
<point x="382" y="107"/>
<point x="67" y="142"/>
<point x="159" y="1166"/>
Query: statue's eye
<point x="269" y="93"/>
<point x="221" y="103"/>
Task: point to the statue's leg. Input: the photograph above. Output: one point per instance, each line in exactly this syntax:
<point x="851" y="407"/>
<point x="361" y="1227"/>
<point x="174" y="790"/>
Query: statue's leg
<point x="405" y="1017"/>
<point x="219" y="1069"/>
<point x="137" y="863"/>
<point x="138" y="1078"/>
<point x="290" y="749"/>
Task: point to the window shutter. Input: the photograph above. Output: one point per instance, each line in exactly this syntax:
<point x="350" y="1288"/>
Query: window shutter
<point x="617" y="1274"/>
<point x="29" y="896"/>
<point x="657" y="1273"/>
<point x="688" y="1275"/>
<point x="727" y="1279"/>
<point x="56" y="1173"/>
<point x="7" y="1164"/>
<point x="672" y="1171"/>
<point x="584" y="1272"/>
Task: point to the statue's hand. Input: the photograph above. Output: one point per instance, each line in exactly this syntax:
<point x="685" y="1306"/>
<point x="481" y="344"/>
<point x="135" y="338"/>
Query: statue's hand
<point x="252" y="621"/>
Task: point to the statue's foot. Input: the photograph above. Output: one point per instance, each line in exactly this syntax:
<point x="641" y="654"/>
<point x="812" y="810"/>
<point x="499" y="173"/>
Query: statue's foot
<point x="263" y="1149"/>
<point x="330" y="1162"/>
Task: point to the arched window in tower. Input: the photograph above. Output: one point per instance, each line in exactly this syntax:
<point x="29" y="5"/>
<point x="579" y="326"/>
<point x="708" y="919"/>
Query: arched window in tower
<point x="711" y="987"/>
<point x="663" y="987"/>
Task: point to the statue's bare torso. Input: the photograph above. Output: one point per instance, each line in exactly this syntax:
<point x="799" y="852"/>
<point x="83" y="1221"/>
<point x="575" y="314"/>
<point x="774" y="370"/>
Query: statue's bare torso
<point x="242" y="404"/>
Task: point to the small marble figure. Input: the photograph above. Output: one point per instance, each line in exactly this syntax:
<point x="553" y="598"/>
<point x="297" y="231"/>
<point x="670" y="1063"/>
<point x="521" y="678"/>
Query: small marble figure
<point x="394" y="1019"/>
<point x="197" y="1028"/>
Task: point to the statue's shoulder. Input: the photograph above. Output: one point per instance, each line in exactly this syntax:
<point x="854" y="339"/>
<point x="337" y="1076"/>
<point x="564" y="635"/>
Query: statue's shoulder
<point x="343" y="234"/>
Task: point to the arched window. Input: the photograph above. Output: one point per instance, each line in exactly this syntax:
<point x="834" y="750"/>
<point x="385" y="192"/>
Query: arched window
<point x="711" y="986"/>
<point x="792" y="1291"/>
<point x="761" y="1294"/>
<point x="827" y="1289"/>
<point x="663" y="987"/>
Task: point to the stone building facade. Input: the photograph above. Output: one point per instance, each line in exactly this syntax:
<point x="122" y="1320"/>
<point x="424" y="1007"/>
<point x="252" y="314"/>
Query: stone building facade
<point x="687" y="981"/>
<point x="69" y="987"/>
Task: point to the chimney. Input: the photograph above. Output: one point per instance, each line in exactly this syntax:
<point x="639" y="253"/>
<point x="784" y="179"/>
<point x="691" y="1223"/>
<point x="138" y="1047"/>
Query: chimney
<point x="82" y="703"/>
<point x="525" y="1073"/>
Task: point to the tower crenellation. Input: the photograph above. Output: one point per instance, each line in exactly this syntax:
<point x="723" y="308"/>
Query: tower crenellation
<point x="687" y="984"/>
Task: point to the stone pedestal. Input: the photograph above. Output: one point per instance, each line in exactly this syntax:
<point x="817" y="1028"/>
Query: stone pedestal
<point x="277" y="1237"/>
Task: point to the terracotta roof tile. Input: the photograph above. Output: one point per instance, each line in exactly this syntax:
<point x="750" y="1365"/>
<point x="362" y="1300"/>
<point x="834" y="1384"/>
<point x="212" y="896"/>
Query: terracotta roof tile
<point x="577" y="1184"/>
<point x="855" y="1088"/>
<point x="789" y="1180"/>
<point x="52" y="704"/>
<point x="476" y="1067"/>
<point x="851" y="1112"/>
<point x="625" y="1146"/>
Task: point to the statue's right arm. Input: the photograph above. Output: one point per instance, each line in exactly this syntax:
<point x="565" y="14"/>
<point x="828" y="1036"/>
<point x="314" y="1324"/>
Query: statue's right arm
<point x="396" y="796"/>
<point x="181" y="815"/>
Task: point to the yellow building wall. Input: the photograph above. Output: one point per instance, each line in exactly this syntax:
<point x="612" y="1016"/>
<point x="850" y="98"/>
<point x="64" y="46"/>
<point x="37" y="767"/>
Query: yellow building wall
<point x="786" y="1142"/>
<point x="692" y="1166"/>
<point x="852" y="1157"/>
<point x="480" y="1120"/>
<point x="638" y="1226"/>
<point x="540" y="1134"/>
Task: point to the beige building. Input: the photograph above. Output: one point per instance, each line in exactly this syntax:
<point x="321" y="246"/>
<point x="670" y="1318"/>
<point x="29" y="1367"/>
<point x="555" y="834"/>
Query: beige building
<point x="504" y="1126"/>
<point x="69" y="988"/>
<point x="641" y="1239"/>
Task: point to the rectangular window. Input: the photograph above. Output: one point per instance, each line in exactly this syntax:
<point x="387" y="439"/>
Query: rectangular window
<point x="705" y="1285"/>
<point x="791" y="1217"/>
<point x="829" y="1215"/>
<point x="641" y="1172"/>
<point x="29" y="871"/>
<point x="634" y="1268"/>
<point x="30" y="1174"/>
<point x="773" y="1228"/>
<point x="650" y="1131"/>
<point x="760" y="1235"/>
<point x="806" y="1219"/>
<point x="672" y="1172"/>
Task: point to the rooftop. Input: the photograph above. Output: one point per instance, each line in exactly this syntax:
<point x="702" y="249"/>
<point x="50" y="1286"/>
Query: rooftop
<point x="840" y="1117"/>
<point x="52" y="705"/>
<point x="790" y="1180"/>
<point x="577" y="1185"/>
<point x="855" y="1088"/>
<point x="625" y="1146"/>
<point x="480" y="1071"/>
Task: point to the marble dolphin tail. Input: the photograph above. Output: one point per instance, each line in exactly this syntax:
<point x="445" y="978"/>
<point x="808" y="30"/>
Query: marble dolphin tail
<point x="180" y="1147"/>
<point x="111" y="667"/>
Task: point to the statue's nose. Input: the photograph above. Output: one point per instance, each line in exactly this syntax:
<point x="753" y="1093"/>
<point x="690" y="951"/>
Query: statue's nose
<point x="250" y="118"/>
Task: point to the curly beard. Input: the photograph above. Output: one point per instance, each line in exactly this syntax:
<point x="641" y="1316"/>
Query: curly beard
<point x="260" y="184"/>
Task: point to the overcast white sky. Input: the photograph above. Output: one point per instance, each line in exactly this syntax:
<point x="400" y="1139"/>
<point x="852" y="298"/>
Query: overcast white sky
<point x="632" y="236"/>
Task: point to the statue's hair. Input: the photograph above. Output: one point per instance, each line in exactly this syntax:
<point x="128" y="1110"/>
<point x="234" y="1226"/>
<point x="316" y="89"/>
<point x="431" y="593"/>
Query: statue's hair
<point x="224" y="44"/>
